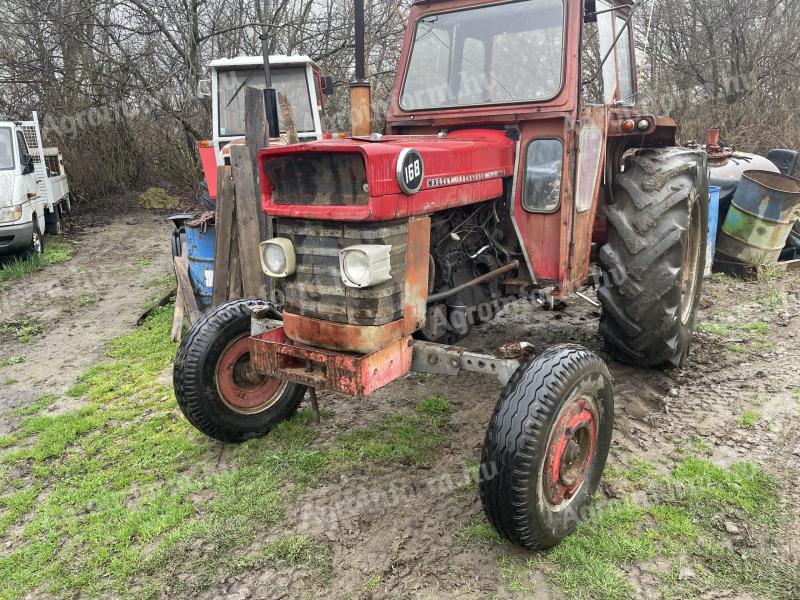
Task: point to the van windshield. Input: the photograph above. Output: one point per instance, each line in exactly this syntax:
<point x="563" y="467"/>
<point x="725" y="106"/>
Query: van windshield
<point x="497" y="54"/>
<point x="293" y="82"/>
<point x="6" y="149"/>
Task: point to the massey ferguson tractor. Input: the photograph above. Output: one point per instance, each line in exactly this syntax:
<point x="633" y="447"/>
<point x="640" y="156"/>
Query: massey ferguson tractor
<point x="515" y="165"/>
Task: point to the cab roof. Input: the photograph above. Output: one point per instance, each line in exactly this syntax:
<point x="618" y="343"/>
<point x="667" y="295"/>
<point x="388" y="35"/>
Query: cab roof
<point x="277" y="60"/>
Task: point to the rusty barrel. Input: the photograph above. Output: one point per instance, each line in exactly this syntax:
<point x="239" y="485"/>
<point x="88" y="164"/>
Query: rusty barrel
<point x="763" y="212"/>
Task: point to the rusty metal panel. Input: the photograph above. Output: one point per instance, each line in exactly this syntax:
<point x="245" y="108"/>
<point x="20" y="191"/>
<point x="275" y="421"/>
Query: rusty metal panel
<point x="315" y="179"/>
<point x="274" y="355"/>
<point x="417" y="274"/>
<point x="338" y="336"/>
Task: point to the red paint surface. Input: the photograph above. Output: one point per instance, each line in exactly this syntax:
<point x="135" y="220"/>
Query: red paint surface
<point x="470" y="153"/>
<point x="208" y="158"/>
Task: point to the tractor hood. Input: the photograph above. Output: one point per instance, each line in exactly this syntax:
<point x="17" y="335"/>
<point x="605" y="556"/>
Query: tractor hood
<point x="382" y="178"/>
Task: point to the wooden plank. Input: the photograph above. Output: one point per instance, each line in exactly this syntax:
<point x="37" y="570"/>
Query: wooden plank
<point x="247" y="224"/>
<point x="185" y="289"/>
<point x="177" y="320"/>
<point x="225" y="223"/>
<point x="257" y="137"/>
<point x="235" y="277"/>
<point x="288" y="119"/>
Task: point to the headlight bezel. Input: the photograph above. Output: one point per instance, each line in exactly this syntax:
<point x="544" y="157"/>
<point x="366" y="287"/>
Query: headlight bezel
<point x="379" y="265"/>
<point x="287" y="247"/>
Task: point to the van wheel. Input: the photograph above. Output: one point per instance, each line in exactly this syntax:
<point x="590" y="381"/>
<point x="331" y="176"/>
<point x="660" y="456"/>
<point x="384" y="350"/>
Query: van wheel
<point x="36" y="247"/>
<point x="216" y="387"/>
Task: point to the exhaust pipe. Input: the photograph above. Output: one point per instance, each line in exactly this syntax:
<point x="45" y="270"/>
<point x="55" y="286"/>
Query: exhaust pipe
<point x="270" y="95"/>
<point x="360" y="90"/>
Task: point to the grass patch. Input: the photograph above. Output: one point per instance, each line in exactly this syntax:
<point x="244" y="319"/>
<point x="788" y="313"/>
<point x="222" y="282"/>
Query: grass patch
<point x="748" y="420"/>
<point x="119" y="488"/>
<point x="676" y="528"/>
<point x="23" y="329"/>
<point x="480" y="532"/>
<point x="87" y="301"/>
<point x="35" y="408"/>
<point x="773" y="299"/>
<point x="55" y="252"/>
<point x="159" y="282"/>
<point x="10" y="362"/>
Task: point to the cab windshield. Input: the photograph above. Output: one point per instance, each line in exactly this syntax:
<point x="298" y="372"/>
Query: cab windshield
<point x="6" y="149"/>
<point x="293" y="82"/>
<point x="497" y="54"/>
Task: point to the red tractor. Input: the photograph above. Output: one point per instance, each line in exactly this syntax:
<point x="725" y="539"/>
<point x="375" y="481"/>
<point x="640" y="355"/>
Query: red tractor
<point x="515" y="165"/>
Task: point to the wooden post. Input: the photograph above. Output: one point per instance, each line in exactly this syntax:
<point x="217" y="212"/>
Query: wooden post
<point x="288" y="119"/>
<point x="226" y="202"/>
<point x="257" y="137"/>
<point x="247" y="225"/>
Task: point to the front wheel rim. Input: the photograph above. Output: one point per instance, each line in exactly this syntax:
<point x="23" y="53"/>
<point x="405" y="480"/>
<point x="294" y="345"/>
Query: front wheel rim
<point x="570" y="450"/>
<point x="240" y="387"/>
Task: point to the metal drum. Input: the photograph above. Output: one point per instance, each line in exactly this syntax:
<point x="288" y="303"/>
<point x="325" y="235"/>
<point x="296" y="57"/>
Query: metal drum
<point x="201" y="243"/>
<point x="761" y="217"/>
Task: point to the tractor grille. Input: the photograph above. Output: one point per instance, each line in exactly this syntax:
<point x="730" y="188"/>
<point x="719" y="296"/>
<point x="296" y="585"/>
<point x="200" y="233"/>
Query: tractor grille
<point x="312" y="179"/>
<point x="317" y="291"/>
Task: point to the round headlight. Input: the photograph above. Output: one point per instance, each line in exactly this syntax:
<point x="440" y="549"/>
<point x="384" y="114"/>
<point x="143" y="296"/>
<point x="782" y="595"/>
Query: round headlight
<point x="356" y="267"/>
<point x="275" y="259"/>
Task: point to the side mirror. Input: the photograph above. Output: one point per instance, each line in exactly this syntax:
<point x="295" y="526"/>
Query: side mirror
<point x="328" y="86"/>
<point x="204" y="88"/>
<point x="27" y="165"/>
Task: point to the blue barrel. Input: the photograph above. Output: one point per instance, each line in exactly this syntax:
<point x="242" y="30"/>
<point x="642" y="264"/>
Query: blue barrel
<point x="713" y="226"/>
<point x="201" y="243"/>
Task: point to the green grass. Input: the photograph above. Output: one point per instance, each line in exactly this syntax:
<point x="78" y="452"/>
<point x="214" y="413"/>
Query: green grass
<point x="35" y="408"/>
<point x="748" y="420"/>
<point x="87" y="301"/>
<point x="159" y="282"/>
<point x="23" y="329"/>
<point x="119" y="488"/>
<point x="728" y="330"/>
<point x="480" y="531"/>
<point x="773" y="299"/>
<point x="676" y="528"/>
<point x="55" y="252"/>
<point x="10" y="362"/>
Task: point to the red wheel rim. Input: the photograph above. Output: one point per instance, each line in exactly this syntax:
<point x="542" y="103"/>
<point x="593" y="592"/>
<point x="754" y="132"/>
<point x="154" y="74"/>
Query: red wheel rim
<point x="240" y="387"/>
<point x="573" y="443"/>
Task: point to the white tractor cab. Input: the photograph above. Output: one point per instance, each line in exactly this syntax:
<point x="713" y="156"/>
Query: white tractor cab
<point x="34" y="194"/>
<point x="297" y="77"/>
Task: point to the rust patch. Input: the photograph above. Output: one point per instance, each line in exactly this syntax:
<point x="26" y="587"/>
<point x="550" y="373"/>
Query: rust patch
<point x="274" y="355"/>
<point x="417" y="272"/>
<point x="338" y="336"/>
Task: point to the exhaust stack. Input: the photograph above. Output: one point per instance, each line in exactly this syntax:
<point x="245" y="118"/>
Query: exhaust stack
<point x="360" y="90"/>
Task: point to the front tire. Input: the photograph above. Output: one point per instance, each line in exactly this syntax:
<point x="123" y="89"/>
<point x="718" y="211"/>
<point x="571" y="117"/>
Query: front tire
<point x="546" y="446"/>
<point x="215" y="386"/>
<point x="655" y="257"/>
<point x="36" y="247"/>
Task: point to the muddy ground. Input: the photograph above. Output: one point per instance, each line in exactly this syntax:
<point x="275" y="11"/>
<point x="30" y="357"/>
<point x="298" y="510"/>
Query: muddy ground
<point x="398" y="526"/>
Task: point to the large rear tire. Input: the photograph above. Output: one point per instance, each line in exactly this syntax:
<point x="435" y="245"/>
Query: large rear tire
<point x="655" y="257"/>
<point x="215" y="386"/>
<point x="546" y="446"/>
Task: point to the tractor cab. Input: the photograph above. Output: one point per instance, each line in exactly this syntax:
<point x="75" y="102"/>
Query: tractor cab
<point x="297" y="77"/>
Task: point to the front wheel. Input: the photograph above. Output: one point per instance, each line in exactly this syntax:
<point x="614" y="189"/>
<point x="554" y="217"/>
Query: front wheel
<point x="36" y="247"/>
<point x="216" y="387"/>
<point x="546" y="446"/>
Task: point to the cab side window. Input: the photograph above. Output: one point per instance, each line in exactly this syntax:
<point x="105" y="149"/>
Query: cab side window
<point x="24" y="155"/>
<point x="544" y="166"/>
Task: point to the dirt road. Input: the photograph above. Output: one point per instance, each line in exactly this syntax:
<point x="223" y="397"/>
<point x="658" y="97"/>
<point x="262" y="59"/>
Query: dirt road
<point x="121" y="259"/>
<point x="400" y="527"/>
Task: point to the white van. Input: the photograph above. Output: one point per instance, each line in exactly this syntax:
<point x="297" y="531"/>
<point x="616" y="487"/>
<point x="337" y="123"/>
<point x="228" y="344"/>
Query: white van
<point x="34" y="194"/>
